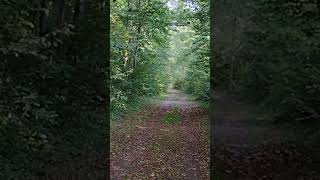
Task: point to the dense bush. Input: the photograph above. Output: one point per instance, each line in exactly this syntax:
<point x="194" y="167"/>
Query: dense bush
<point x="288" y="71"/>
<point x="274" y="49"/>
<point x="53" y="87"/>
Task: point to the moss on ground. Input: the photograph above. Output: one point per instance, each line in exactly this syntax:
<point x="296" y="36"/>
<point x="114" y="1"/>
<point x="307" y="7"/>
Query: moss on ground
<point x="172" y="117"/>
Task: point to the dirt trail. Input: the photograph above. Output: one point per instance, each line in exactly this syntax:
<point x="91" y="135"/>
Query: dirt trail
<point x="236" y="124"/>
<point x="247" y="146"/>
<point x="145" y="147"/>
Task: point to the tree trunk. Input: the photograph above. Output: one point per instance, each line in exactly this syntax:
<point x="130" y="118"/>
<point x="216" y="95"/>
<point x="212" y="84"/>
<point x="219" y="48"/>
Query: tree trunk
<point x="233" y="37"/>
<point x="137" y="40"/>
<point x="43" y="24"/>
<point x="60" y="9"/>
<point x="76" y="12"/>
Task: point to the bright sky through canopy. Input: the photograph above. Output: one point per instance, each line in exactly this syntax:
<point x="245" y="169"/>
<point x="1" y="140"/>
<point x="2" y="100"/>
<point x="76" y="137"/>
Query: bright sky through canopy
<point x="173" y="4"/>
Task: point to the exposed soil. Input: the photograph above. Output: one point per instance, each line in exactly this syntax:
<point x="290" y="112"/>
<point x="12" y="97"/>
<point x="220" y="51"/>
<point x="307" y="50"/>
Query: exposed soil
<point x="144" y="147"/>
<point x="247" y="146"/>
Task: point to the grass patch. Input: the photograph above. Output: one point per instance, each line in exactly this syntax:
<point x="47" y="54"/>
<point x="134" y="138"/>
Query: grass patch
<point x="154" y="146"/>
<point x="131" y="108"/>
<point x="204" y="104"/>
<point x="172" y="117"/>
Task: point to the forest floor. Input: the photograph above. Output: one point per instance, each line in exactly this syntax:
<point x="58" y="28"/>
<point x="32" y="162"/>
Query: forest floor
<point x="168" y="139"/>
<point x="248" y="146"/>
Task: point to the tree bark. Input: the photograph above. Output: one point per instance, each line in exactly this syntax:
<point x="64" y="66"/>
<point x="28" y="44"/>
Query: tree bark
<point x="60" y="9"/>
<point x="137" y="40"/>
<point x="43" y="24"/>
<point x="76" y="12"/>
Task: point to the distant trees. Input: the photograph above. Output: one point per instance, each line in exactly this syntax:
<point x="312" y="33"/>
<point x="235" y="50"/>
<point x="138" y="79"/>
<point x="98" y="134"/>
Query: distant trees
<point x="139" y="45"/>
<point x="191" y="49"/>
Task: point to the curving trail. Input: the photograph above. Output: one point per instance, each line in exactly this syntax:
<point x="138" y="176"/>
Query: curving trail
<point x="145" y="147"/>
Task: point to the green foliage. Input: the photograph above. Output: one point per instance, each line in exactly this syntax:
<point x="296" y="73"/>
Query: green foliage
<point x="172" y="117"/>
<point x="274" y="48"/>
<point x="52" y="86"/>
<point x="146" y="54"/>
<point x="288" y="69"/>
<point x="190" y="51"/>
<point x="139" y="45"/>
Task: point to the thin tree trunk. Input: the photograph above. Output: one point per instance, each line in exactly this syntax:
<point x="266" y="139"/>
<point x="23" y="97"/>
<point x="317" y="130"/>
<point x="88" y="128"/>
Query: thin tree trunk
<point x="36" y="19"/>
<point x="232" y="66"/>
<point x="76" y="16"/>
<point x="76" y="11"/>
<point x="127" y="57"/>
<point x="138" y="34"/>
<point x="60" y="9"/>
<point x="44" y="18"/>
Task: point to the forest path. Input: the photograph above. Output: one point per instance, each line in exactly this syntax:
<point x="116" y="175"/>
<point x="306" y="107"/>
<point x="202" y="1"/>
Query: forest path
<point x="237" y="124"/>
<point x="247" y="146"/>
<point x="147" y="146"/>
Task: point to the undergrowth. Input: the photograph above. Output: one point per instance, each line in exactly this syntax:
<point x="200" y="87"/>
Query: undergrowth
<point x="172" y="117"/>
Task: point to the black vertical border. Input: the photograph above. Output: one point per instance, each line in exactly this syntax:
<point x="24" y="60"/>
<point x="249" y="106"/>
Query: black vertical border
<point x="108" y="83"/>
<point x="211" y="106"/>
